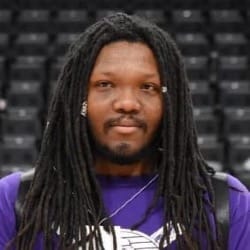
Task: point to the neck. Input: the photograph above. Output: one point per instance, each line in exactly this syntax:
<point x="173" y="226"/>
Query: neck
<point x="105" y="167"/>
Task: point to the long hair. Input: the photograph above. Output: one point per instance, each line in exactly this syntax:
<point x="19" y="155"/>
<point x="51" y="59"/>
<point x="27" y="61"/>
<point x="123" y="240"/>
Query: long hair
<point x="65" y="193"/>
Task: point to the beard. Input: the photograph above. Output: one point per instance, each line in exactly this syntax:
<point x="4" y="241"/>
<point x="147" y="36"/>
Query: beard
<point x="121" y="153"/>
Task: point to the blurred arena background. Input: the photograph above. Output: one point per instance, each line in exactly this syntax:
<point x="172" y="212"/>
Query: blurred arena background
<point x="214" y="37"/>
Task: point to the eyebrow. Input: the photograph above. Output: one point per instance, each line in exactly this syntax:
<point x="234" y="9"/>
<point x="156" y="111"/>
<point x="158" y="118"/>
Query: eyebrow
<point x="148" y="75"/>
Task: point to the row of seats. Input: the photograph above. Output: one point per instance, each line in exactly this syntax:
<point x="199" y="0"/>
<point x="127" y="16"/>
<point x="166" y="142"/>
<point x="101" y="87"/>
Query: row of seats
<point x="223" y="69"/>
<point x="28" y="92"/>
<point x="196" y="44"/>
<point x="75" y="20"/>
<point x="26" y="101"/>
<point x="103" y="4"/>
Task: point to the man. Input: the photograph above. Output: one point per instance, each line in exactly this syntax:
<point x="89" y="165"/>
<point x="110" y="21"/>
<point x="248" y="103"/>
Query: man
<point x="119" y="166"/>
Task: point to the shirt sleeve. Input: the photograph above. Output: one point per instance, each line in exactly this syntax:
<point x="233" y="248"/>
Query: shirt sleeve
<point x="8" y="192"/>
<point x="239" y="234"/>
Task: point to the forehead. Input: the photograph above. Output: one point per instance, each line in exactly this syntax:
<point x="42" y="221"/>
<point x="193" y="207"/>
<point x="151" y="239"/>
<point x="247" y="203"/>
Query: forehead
<point x="120" y="54"/>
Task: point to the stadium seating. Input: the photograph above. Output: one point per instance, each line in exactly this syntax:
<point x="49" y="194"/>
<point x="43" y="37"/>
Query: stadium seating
<point x="214" y="39"/>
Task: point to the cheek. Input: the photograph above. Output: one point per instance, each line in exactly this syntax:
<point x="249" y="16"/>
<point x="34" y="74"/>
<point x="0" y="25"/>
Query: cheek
<point x="95" y="127"/>
<point x="95" y="117"/>
<point x="155" y="114"/>
<point x="98" y="110"/>
<point x="98" y="103"/>
<point x="95" y="106"/>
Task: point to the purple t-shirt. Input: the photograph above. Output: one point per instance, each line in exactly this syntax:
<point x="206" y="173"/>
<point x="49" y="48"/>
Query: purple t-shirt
<point x="116" y="191"/>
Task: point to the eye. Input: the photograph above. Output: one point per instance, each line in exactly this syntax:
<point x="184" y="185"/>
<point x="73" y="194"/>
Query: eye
<point x="150" y="87"/>
<point x="104" y="84"/>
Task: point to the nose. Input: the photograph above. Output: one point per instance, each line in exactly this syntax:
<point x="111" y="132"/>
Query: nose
<point x="127" y="102"/>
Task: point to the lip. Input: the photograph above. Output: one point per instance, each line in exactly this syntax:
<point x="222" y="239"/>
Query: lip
<point x="124" y="125"/>
<point x="122" y="129"/>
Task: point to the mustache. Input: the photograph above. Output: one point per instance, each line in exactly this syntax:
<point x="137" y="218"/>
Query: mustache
<point x="118" y="120"/>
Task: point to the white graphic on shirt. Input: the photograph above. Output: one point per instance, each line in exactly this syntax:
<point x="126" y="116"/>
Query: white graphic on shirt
<point x="128" y="239"/>
<point x="136" y="240"/>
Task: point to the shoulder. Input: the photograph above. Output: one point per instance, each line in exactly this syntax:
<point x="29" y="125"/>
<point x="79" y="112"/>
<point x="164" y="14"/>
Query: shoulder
<point x="9" y="186"/>
<point x="235" y="183"/>
<point x="8" y="192"/>
<point x="239" y="198"/>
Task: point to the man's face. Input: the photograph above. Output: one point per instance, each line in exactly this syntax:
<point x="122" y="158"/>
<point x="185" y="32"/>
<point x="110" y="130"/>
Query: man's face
<point x="124" y="101"/>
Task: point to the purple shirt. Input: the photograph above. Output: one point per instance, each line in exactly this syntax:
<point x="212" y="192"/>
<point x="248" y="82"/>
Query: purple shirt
<point x="116" y="191"/>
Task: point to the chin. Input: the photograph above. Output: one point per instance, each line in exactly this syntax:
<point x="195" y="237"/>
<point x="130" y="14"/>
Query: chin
<point x="123" y="148"/>
<point x="123" y="153"/>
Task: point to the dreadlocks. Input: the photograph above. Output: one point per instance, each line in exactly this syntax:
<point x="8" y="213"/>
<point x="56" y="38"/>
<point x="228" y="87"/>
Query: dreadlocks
<point x="65" y="194"/>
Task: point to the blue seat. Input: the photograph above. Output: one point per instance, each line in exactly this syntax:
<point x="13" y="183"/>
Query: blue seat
<point x="212" y="150"/>
<point x="2" y="69"/>
<point x="4" y="43"/>
<point x="70" y="21"/>
<point x="5" y="21"/>
<point x="28" y="68"/>
<point x="233" y="68"/>
<point x="156" y="16"/>
<point x="197" y="67"/>
<point x="239" y="157"/>
<point x="33" y="20"/>
<point x="31" y="44"/>
<point x="206" y="121"/>
<point x="234" y="44"/>
<point x="26" y="94"/>
<point x="61" y="43"/>
<point x="202" y="94"/>
<point x="22" y="122"/>
<point x="188" y="20"/>
<point x="226" y="20"/>
<point x="235" y="94"/>
<point x="193" y="44"/>
<point x="237" y="122"/>
<point x="15" y="151"/>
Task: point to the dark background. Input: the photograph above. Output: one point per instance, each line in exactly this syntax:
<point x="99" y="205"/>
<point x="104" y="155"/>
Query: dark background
<point x="214" y="37"/>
